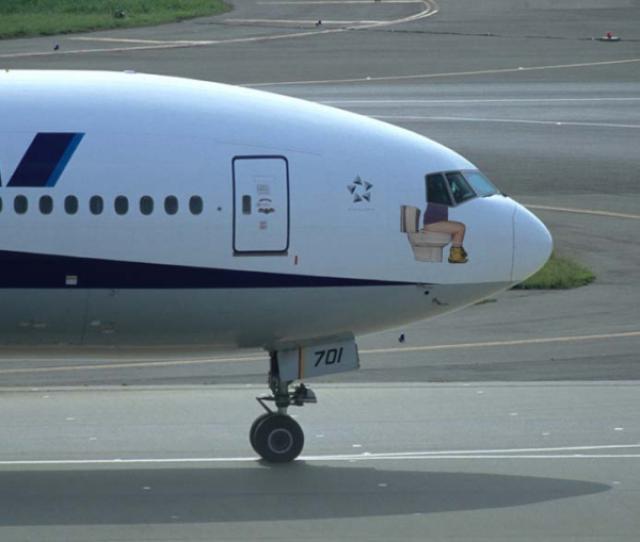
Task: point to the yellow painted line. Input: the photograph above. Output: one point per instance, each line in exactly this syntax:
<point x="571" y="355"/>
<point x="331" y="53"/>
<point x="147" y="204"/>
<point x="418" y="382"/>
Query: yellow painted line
<point x="592" y="212"/>
<point x="127" y="364"/>
<point x="519" y="342"/>
<point x="395" y="350"/>
<point x="449" y="74"/>
<point x="100" y="50"/>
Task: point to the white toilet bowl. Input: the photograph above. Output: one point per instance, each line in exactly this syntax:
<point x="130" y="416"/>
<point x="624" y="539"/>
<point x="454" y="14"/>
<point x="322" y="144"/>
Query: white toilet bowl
<point x="427" y="246"/>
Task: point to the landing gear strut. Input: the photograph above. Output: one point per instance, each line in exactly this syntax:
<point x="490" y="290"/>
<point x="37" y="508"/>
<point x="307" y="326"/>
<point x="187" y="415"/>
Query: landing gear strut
<point x="275" y="435"/>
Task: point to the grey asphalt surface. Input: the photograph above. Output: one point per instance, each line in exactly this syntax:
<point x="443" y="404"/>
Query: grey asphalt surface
<point x="436" y="462"/>
<point x="523" y="90"/>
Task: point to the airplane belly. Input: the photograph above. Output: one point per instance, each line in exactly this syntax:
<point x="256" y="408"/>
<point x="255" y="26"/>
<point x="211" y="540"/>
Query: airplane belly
<point x="37" y="317"/>
<point x="179" y="322"/>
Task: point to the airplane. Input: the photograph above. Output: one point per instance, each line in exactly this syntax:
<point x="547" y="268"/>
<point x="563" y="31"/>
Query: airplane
<point x="146" y="215"/>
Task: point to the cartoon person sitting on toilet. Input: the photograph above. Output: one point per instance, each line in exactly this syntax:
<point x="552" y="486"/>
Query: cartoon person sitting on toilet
<point x="436" y="217"/>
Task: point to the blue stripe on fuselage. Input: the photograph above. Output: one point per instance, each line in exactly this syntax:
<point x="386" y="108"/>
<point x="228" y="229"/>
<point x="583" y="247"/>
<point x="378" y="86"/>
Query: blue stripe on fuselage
<point x="64" y="160"/>
<point x="27" y="270"/>
<point x="45" y="159"/>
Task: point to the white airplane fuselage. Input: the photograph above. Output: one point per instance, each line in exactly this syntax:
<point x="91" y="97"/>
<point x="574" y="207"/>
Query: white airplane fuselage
<point x="228" y="218"/>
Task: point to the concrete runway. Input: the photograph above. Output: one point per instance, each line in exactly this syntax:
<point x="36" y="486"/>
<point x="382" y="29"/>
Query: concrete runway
<point x="522" y="89"/>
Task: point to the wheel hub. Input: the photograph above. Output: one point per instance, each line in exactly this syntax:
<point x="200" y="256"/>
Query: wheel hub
<point x="280" y="441"/>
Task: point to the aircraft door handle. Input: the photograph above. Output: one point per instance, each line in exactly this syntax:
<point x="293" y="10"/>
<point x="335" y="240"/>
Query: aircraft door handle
<point x="246" y="205"/>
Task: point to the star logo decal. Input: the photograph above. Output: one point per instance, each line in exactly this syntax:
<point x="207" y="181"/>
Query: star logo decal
<point x="360" y="190"/>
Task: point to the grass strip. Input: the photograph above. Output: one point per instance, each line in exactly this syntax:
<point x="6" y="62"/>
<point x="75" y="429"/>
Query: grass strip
<point x="558" y="273"/>
<point x="21" y="18"/>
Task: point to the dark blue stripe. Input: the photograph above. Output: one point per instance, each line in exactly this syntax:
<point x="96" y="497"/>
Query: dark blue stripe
<point x="26" y="270"/>
<point x="45" y="159"/>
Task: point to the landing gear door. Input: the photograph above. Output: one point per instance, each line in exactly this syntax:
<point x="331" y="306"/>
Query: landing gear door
<point x="260" y="205"/>
<point x="318" y="360"/>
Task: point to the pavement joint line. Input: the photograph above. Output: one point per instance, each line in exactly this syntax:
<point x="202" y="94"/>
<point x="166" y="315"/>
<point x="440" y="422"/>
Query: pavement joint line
<point x="507" y="121"/>
<point x="430" y="8"/>
<point x="524" y="453"/>
<point x="395" y="350"/>
<point x="447" y="74"/>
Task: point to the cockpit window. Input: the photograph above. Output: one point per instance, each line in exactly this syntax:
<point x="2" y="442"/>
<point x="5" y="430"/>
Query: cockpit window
<point x="437" y="190"/>
<point x="480" y="184"/>
<point x="460" y="189"/>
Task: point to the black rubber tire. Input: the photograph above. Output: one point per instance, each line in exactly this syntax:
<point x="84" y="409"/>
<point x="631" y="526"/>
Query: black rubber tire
<point x="254" y="426"/>
<point x="278" y="439"/>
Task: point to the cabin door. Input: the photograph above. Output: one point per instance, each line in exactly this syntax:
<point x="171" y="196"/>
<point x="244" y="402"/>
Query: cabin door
<point x="260" y="205"/>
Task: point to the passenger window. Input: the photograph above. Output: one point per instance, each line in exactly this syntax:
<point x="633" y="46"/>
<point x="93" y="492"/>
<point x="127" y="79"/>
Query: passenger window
<point x="96" y="205"/>
<point x="195" y="205"/>
<point x="146" y="205"/>
<point x="0" y="205"/>
<point x="121" y="205"/>
<point x="20" y="204"/>
<point x="480" y="184"/>
<point x="460" y="187"/>
<point x="71" y="205"/>
<point x="171" y="205"/>
<point x="46" y="205"/>
<point x="437" y="190"/>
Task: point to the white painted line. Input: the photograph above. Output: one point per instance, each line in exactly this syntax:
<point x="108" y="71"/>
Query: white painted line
<point x="524" y="453"/>
<point x="430" y="8"/>
<point x="517" y="450"/>
<point x="583" y="211"/>
<point x="420" y="118"/>
<point x="449" y="74"/>
<point x="398" y="350"/>
<point x="134" y="40"/>
<point x="302" y="21"/>
<point x="477" y="457"/>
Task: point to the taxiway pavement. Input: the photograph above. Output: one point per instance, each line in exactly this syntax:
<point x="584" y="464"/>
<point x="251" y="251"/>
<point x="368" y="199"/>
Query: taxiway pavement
<point x="382" y="462"/>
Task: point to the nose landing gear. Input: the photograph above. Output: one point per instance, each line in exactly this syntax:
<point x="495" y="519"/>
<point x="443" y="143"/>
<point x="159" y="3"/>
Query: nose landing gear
<point x="276" y="436"/>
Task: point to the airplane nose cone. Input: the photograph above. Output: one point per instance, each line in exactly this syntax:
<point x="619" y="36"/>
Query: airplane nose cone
<point x="532" y="244"/>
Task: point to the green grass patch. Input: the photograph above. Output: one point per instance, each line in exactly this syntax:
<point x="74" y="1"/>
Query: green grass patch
<point x="19" y="18"/>
<point x="559" y="273"/>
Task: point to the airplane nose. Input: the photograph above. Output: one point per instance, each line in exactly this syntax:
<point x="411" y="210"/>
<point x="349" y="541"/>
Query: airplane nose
<point x="532" y="244"/>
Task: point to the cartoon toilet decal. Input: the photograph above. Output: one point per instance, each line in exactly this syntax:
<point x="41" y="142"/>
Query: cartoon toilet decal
<point x="436" y="230"/>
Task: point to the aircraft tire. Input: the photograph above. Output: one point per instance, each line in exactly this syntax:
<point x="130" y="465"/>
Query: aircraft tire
<point x="254" y="426"/>
<point x="278" y="438"/>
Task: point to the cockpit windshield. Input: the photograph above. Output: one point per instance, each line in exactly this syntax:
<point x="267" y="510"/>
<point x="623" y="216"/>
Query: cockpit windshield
<point x="460" y="189"/>
<point x="480" y="184"/>
<point x="454" y="187"/>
